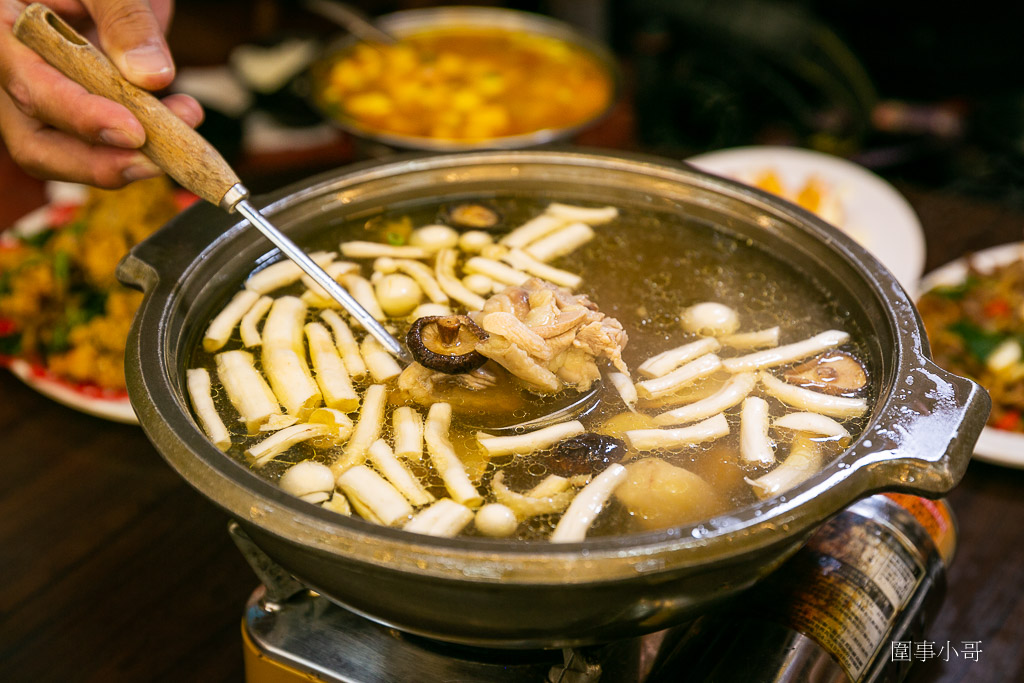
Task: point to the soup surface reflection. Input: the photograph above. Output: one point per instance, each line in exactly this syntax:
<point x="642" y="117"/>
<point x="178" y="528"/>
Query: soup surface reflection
<point x="662" y="371"/>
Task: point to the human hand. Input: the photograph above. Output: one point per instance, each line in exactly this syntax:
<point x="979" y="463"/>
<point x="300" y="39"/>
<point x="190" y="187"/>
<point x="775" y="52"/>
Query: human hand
<point x="53" y="128"/>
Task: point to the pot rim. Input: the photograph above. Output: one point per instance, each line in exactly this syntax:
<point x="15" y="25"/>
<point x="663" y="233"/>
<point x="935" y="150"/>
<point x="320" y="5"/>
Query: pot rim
<point x="918" y="460"/>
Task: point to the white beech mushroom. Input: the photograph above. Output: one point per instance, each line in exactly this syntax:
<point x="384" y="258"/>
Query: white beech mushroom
<point x="533" y="230"/>
<point x="317" y="296"/>
<point x="561" y="242"/>
<point x="445" y="518"/>
<point x="521" y="444"/>
<point x="248" y="392"/>
<point x="755" y="445"/>
<point x="653" y="439"/>
<point x="383" y="458"/>
<point x="362" y="291"/>
<point x="686" y="374"/>
<point x="734" y="391"/>
<point x="330" y="372"/>
<point x="347" y="345"/>
<point x="474" y="241"/>
<point x="224" y="323"/>
<point x="584" y="214"/>
<point x="787" y="353"/>
<point x="424" y="277"/>
<point x="812" y="401"/>
<point x="407" y="425"/>
<point x="199" y="390"/>
<point x="446" y="462"/>
<point x="277" y="443"/>
<point x="587" y="505"/>
<point x="496" y="520"/>
<point x="367" y="429"/>
<point x="249" y="325"/>
<point x="478" y="283"/>
<point x="372" y="496"/>
<point x="360" y="249"/>
<point x="804" y="460"/>
<point x="444" y="271"/>
<point x="309" y="480"/>
<point x="527" y="505"/>
<point x="813" y="423"/>
<point x="758" y="339"/>
<point x="284" y="273"/>
<point x="667" y="361"/>
<point x="379" y="362"/>
<point x="624" y="386"/>
<point x="710" y="318"/>
<point x="517" y="258"/>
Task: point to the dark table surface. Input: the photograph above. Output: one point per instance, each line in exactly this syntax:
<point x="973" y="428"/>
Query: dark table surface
<point x="113" y="569"/>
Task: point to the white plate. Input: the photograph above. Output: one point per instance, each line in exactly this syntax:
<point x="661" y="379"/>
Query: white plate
<point x="996" y="446"/>
<point x="874" y="213"/>
<point x="89" y="400"/>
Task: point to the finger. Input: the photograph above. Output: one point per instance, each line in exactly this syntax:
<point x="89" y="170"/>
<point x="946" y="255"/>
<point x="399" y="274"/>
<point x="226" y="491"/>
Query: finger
<point x="186" y="108"/>
<point x="131" y="35"/>
<point x="51" y="154"/>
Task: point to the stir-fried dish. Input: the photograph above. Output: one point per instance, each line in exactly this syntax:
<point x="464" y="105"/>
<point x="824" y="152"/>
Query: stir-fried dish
<point x="976" y="329"/>
<point x="61" y="306"/>
<point x="465" y="84"/>
<point x="656" y="371"/>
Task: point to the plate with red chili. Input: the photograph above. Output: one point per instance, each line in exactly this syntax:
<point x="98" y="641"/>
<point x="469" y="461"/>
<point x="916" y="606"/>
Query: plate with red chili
<point x="973" y="311"/>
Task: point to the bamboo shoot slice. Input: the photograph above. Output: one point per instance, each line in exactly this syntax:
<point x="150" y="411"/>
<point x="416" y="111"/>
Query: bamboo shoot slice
<point x="280" y="441"/>
<point x="407" y="425"/>
<point x="383" y="458"/>
<point x="330" y="373"/>
<point x="372" y="496"/>
<point x="367" y="430"/>
<point x="446" y="462"/>
<point x="787" y="353"/>
<point x="624" y="386"/>
<point x="560" y="243"/>
<point x="686" y="374"/>
<point x="812" y="401"/>
<point x="667" y="361"/>
<point x="291" y="380"/>
<point x="518" y="258"/>
<point x="734" y="391"/>
<point x="225" y="322"/>
<point x="347" y="345"/>
<point x="584" y="214"/>
<point x="527" y="505"/>
<point x="533" y="230"/>
<point x="379" y="362"/>
<point x="284" y="273"/>
<point x="248" y="392"/>
<point x="495" y="270"/>
<point x="283" y="326"/>
<point x="362" y="291"/>
<point x="360" y="249"/>
<point x="445" y="518"/>
<point x="200" y="391"/>
<point x="249" y="326"/>
<point x="755" y="445"/>
<point x="587" y="505"/>
<point x="522" y="444"/>
<point x="758" y="339"/>
<point x="653" y="439"/>
<point x="813" y="423"/>
<point x="803" y="461"/>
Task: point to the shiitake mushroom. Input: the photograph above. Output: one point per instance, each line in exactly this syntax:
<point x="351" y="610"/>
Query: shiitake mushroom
<point x="588" y="453"/>
<point x="472" y="215"/>
<point x="446" y="343"/>
<point x="834" y="372"/>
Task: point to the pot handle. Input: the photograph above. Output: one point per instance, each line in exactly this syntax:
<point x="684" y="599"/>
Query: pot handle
<point x="923" y="440"/>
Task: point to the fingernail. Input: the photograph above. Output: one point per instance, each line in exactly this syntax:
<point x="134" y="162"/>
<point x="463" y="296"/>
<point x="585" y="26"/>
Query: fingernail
<point x="148" y="60"/>
<point x="120" y="138"/>
<point x="140" y="170"/>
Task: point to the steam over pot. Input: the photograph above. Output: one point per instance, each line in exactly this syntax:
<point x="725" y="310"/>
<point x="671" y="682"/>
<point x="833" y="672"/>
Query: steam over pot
<point x="919" y="436"/>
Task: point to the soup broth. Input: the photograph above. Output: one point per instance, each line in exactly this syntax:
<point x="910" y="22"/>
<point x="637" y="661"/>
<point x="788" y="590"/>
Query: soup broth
<point x="655" y="274"/>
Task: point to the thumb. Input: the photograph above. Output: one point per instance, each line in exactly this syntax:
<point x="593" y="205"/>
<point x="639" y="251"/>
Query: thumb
<point x="132" y="37"/>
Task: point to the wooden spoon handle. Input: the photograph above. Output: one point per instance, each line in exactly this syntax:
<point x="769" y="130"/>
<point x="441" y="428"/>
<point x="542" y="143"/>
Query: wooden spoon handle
<point x="177" y="149"/>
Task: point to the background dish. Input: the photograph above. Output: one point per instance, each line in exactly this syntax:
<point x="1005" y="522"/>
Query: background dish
<point x="108" y="405"/>
<point x="996" y="446"/>
<point x="874" y="213"/>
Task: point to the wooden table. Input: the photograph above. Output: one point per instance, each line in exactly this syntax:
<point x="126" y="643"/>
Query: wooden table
<point x="113" y="569"/>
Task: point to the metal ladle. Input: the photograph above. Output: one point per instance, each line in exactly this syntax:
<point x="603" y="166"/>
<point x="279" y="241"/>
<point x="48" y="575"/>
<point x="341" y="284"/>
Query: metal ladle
<point x="177" y="149"/>
<point x="351" y="19"/>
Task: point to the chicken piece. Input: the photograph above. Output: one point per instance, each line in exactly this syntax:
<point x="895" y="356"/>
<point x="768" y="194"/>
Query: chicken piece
<point x="517" y="361"/>
<point x="604" y="339"/>
<point x="660" y="495"/>
<point x="578" y="370"/>
<point x="484" y="389"/>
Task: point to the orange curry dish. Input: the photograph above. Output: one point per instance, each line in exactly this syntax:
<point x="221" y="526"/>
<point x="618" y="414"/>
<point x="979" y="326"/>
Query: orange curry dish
<point x="466" y="84"/>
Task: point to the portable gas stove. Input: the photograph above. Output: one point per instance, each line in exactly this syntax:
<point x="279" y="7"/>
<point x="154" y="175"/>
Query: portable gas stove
<point x="871" y="576"/>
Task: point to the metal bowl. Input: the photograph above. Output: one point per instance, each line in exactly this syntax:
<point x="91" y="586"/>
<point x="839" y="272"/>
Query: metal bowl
<point x="918" y="438"/>
<point x="408" y="22"/>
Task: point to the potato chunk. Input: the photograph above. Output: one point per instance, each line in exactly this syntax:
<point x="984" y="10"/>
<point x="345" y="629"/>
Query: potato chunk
<point x="660" y="495"/>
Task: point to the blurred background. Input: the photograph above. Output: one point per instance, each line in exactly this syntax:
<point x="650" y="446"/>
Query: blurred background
<point x="930" y="96"/>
